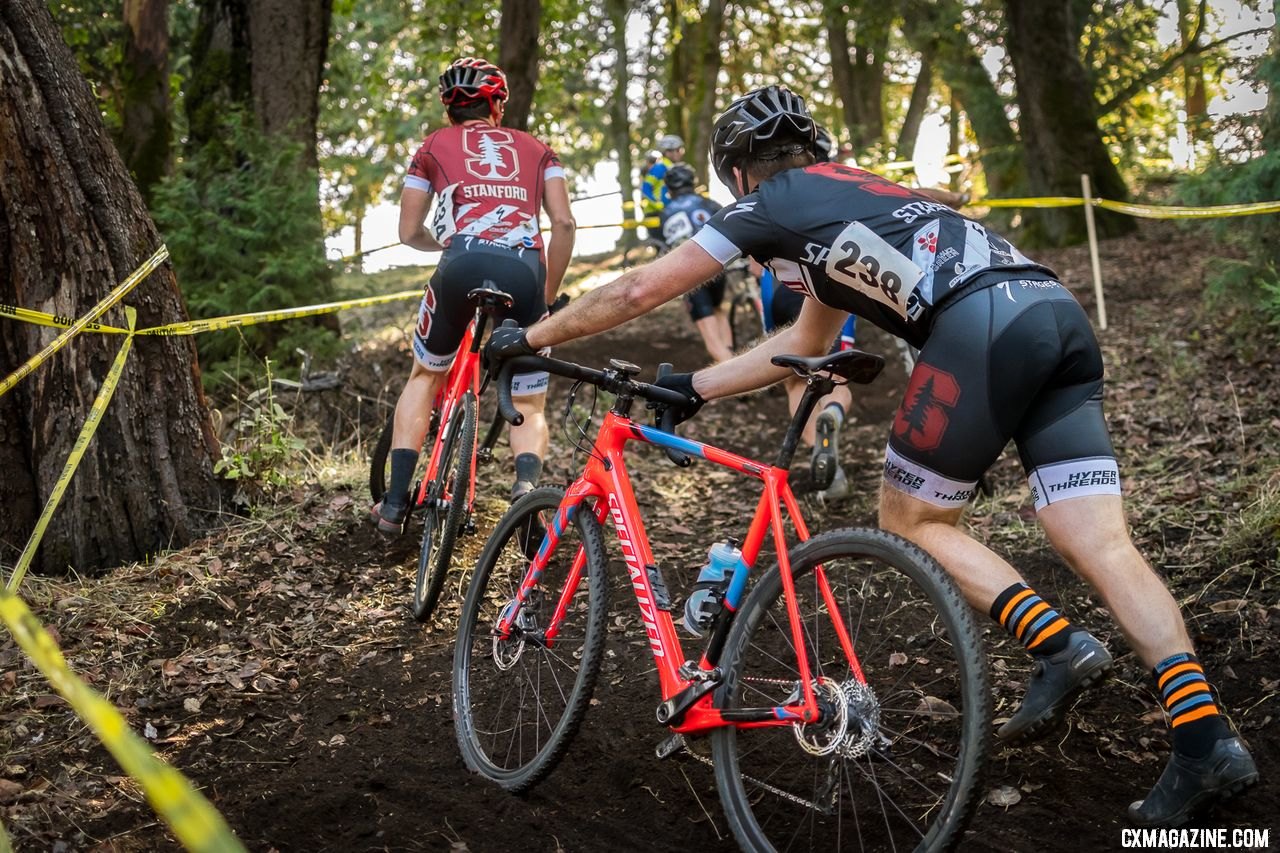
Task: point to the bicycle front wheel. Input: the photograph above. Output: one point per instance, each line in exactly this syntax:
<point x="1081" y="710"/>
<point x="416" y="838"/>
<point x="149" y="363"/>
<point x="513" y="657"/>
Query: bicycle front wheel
<point x="446" y="507"/>
<point x="518" y="701"/>
<point x="894" y="762"/>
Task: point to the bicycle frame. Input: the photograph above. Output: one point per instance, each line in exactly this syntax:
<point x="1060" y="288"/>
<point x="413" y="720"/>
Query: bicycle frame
<point x="605" y="487"/>
<point x="463" y="375"/>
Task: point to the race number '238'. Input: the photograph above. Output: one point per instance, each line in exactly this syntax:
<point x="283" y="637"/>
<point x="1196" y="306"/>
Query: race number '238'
<point x="864" y="261"/>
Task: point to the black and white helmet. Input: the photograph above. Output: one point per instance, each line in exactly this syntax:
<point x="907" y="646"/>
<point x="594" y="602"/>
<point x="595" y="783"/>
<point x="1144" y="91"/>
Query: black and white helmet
<point x="772" y="121"/>
<point x="824" y="147"/>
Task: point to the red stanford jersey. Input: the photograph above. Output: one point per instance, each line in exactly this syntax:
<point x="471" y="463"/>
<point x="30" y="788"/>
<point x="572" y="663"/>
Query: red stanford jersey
<point x="488" y="183"/>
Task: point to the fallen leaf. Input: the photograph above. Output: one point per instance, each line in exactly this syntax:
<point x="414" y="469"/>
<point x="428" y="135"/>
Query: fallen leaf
<point x="149" y="732"/>
<point x="191" y="704"/>
<point x="9" y="790"/>
<point x="897" y="659"/>
<point x="937" y="707"/>
<point x="1004" y="796"/>
<point x="337" y="740"/>
<point x="1231" y="605"/>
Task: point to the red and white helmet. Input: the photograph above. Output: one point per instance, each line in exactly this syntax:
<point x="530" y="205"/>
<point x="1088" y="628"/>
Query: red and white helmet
<point x="469" y="80"/>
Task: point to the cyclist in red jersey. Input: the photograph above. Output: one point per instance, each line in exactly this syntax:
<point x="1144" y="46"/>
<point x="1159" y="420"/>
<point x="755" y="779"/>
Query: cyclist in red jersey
<point x="1006" y="353"/>
<point x="489" y="183"/>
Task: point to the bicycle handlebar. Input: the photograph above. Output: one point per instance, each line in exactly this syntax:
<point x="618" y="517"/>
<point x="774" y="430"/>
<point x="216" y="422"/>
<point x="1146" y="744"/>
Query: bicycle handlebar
<point x="612" y="381"/>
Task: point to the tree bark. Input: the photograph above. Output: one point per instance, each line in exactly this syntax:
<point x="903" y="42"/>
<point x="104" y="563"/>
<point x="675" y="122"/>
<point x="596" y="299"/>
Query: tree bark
<point x="518" y="57"/>
<point x="1058" y="120"/>
<point x="289" y="40"/>
<point x="146" y="130"/>
<point x="72" y="225"/>
<point x="264" y="56"/>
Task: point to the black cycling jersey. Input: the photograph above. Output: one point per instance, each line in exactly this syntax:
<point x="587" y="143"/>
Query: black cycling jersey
<point x="861" y="243"/>
<point x="683" y="216"/>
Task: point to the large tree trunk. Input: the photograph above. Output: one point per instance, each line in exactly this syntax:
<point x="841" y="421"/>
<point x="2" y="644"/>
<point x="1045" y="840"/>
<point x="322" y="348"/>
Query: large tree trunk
<point x="289" y="39"/>
<point x="518" y="57"/>
<point x="857" y="67"/>
<point x="679" y="60"/>
<point x="72" y="225"/>
<point x="710" y="35"/>
<point x="146" y="131"/>
<point x="938" y="26"/>
<point x="619" y="113"/>
<point x="265" y="57"/>
<point x="1058" y="120"/>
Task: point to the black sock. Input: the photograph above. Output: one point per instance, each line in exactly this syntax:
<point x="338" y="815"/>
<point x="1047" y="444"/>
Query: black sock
<point x="528" y="467"/>
<point x="403" y="463"/>
<point x="1194" y="718"/>
<point x="1031" y="620"/>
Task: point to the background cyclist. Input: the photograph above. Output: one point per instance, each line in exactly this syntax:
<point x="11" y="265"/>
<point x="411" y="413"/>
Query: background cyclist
<point x="686" y="211"/>
<point x="1005" y="353"/>
<point x="653" y="194"/>
<point x="490" y="183"/>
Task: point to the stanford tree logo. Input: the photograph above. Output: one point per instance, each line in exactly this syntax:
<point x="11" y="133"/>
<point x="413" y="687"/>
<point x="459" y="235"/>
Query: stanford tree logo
<point x="493" y="154"/>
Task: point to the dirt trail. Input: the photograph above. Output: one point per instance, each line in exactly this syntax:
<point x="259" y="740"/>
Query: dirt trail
<point x="287" y="680"/>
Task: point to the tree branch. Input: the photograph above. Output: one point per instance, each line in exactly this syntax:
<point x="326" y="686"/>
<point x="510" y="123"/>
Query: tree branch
<point x="1164" y="68"/>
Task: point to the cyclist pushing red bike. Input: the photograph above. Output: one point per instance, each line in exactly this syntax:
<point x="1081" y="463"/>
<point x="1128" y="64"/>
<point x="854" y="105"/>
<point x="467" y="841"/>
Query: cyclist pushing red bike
<point x="489" y="183"/>
<point x="1006" y="353"/>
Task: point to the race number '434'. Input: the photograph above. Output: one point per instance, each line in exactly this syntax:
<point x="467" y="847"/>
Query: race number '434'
<point x="864" y="261"/>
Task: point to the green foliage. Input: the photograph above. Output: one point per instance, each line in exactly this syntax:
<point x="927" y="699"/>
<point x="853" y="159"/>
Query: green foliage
<point x="94" y="30"/>
<point x="263" y="446"/>
<point x="240" y="220"/>
<point x="1247" y="170"/>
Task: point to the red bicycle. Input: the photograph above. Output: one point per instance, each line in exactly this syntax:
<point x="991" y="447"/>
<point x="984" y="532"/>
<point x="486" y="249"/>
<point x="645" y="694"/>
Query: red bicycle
<point x="446" y="493"/>
<point x="845" y="698"/>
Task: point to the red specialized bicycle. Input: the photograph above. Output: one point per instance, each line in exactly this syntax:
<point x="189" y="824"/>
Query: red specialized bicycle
<point x="845" y="697"/>
<point x="446" y="493"/>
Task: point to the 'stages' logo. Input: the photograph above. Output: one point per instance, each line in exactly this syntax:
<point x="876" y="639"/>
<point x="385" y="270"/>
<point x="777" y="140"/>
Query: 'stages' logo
<point x="922" y="419"/>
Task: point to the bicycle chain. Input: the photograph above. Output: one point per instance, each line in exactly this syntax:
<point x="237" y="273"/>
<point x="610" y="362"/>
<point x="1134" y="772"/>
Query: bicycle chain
<point x="786" y="795"/>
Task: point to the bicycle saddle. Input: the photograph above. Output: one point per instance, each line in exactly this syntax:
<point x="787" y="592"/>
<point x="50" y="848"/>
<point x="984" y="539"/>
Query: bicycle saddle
<point x="489" y="298"/>
<point x="855" y="365"/>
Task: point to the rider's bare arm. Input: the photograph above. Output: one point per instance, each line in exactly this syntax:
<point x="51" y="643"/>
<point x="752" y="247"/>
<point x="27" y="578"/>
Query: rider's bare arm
<point x="809" y="335"/>
<point x="414" y="204"/>
<point x="555" y="201"/>
<point x="631" y="295"/>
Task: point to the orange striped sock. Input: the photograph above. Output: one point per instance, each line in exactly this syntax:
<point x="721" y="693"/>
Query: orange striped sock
<point x="1031" y="620"/>
<point x="1187" y="696"/>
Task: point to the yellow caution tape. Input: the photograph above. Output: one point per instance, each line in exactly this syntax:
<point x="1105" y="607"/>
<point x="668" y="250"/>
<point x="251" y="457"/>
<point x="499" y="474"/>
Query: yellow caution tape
<point x="1149" y="211"/>
<point x="192" y="327"/>
<point x="77" y="452"/>
<point x="78" y="326"/>
<point x="193" y="819"/>
<point x="57" y="321"/>
<point x="1052" y="201"/>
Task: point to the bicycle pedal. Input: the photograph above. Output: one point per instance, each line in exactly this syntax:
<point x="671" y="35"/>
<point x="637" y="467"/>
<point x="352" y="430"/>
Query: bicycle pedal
<point x="670" y="746"/>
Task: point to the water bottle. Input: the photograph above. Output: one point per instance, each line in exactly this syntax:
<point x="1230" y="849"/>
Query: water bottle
<point x="708" y="592"/>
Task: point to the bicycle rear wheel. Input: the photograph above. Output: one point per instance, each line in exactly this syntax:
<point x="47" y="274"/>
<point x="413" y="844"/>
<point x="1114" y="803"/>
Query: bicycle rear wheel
<point x="446" y="506"/>
<point x="518" y="702"/>
<point x="895" y="761"/>
<point x="745" y="322"/>
<point x="380" y="462"/>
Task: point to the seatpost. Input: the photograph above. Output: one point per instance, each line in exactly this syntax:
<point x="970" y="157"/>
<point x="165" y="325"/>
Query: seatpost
<point x="482" y="320"/>
<point x="816" y="387"/>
